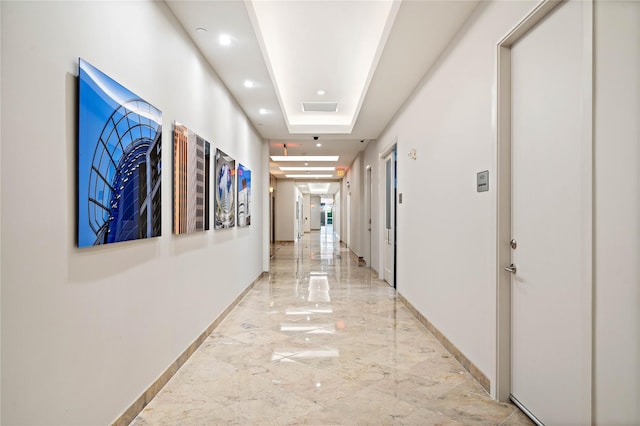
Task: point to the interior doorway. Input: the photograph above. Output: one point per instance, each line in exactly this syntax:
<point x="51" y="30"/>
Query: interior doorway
<point x="545" y="214"/>
<point x="367" y="204"/>
<point x="390" y="207"/>
<point x="348" y="219"/>
<point x="272" y="222"/>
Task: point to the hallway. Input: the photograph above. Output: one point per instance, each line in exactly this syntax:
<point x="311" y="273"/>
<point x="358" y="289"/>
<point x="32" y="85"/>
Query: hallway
<point x="322" y="341"/>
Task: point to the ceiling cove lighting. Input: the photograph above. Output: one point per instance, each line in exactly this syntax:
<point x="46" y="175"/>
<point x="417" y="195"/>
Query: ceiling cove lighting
<point x="303" y="158"/>
<point x="308" y="176"/>
<point x="277" y="41"/>
<point x="319" y="188"/>
<point x="308" y="169"/>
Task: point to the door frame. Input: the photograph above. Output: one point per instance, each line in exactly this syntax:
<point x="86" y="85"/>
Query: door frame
<point x="368" y="192"/>
<point x="502" y="128"/>
<point x="381" y="212"/>
<point x="348" y="238"/>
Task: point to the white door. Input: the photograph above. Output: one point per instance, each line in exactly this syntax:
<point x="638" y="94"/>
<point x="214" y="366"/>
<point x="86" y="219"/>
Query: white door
<point x="390" y="218"/>
<point x="550" y="375"/>
<point x="349" y="219"/>
<point x="367" y="204"/>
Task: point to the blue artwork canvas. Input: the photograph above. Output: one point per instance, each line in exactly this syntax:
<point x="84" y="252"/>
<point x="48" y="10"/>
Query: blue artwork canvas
<point x="225" y="190"/>
<point x="244" y="196"/>
<point x="119" y="162"/>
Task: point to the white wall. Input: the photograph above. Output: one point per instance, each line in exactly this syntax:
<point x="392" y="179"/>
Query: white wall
<point x="337" y="217"/>
<point x="344" y="214"/>
<point x="307" y="210"/>
<point x="265" y="197"/>
<point x="299" y="225"/>
<point x="0" y="213"/>
<point x="446" y="230"/>
<point x="286" y="221"/>
<point x="0" y="217"/>
<point x="371" y="158"/>
<point x="315" y="212"/>
<point x="86" y="331"/>
<point x="617" y="212"/>
<point x="353" y="184"/>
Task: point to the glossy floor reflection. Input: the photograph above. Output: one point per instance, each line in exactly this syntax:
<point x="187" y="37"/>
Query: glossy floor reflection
<point x="322" y="341"/>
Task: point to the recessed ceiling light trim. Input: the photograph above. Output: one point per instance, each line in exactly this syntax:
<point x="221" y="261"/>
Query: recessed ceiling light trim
<point x="303" y="158"/>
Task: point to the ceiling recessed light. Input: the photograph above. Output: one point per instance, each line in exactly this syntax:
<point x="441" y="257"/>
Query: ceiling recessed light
<point x="306" y="164"/>
<point x="248" y="84"/>
<point x="318" y="144"/>
<point x="303" y="158"/>
<point x="201" y="30"/>
<point x="224" y="39"/>
<point x="321" y="92"/>
<point x="263" y="111"/>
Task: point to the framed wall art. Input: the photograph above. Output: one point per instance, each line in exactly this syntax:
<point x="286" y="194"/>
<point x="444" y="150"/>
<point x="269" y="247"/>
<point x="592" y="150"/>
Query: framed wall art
<point x="225" y="191"/>
<point x="119" y="162"/>
<point x="191" y="174"/>
<point x="244" y="196"/>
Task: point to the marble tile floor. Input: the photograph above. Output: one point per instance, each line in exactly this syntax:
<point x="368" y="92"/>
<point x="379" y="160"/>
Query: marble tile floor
<point x="322" y="341"/>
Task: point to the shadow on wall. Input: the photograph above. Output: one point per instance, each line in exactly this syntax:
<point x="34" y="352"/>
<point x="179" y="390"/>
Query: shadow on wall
<point x="99" y="262"/>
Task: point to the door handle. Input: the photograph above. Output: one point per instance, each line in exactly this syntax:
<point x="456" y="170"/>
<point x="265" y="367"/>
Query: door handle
<point x="511" y="268"/>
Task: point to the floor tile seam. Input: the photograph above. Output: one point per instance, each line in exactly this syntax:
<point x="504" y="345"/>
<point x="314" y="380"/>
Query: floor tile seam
<point x="240" y="345"/>
<point x="484" y="397"/>
<point x="512" y="414"/>
<point x="371" y="388"/>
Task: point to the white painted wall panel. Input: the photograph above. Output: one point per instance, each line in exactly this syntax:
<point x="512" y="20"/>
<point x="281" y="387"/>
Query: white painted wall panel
<point x="314" y="212"/>
<point x="446" y="230"/>
<point x="371" y="158"/>
<point x="617" y="212"/>
<point x="356" y="189"/>
<point x="307" y="210"/>
<point x="85" y="332"/>
<point x="286" y="220"/>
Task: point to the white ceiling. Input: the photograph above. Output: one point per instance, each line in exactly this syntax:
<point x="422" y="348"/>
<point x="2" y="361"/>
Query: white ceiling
<point x="331" y="54"/>
<point x="368" y="57"/>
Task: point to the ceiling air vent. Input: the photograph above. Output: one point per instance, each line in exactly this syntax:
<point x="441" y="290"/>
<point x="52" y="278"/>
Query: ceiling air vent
<point x="320" y="106"/>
